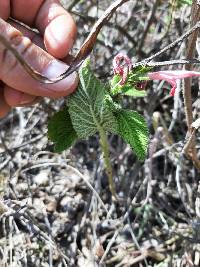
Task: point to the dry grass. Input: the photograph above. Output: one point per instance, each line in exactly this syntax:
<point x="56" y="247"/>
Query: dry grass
<point x="52" y="215"/>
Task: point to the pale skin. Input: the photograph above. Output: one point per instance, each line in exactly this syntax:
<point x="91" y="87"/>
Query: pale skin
<point x="57" y="33"/>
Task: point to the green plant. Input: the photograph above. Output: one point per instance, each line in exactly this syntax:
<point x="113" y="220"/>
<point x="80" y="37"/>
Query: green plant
<point x="97" y="108"/>
<point x="182" y="2"/>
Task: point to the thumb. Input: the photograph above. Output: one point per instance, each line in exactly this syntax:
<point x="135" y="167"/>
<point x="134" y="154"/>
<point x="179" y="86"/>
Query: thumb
<point x="14" y="75"/>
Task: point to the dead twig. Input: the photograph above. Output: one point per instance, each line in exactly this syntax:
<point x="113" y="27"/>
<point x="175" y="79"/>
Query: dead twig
<point x="87" y="47"/>
<point x="190" y="150"/>
<point x="173" y="44"/>
<point x="121" y="29"/>
<point x="72" y="5"/>
<point x="170" y="62"/>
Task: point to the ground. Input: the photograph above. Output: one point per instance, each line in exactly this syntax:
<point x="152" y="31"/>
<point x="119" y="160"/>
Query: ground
<point x="57" y="209"/>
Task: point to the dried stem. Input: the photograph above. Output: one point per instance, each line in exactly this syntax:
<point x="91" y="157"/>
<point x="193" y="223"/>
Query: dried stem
<point x="88" y="46"/>
<point x="190" y="53"/>
<point x="177" y="41"/>
<point x="34" y="74"/>
<point x="70" y="7"/>
<point x="83" y="53"/>
<point x="122" y="31"/>
<point x="90" y="41"/>
<point x="190" y="150"/>
<point x="169" y="62"/>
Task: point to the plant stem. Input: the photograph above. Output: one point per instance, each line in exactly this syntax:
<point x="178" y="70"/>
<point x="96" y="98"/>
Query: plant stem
<point x="190" y="149"/>
<point x="177" y="41"/>
<point x="106" y="156"/>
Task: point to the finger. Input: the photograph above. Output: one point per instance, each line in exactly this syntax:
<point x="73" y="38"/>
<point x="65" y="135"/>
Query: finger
<point x="60" y="32"/>
<point x="12" y="73"/>
<point x="53" y="21"/>
<point x="4" y="107"/>
<point x="16" y="98"/>
<point x="4" y="9"/>
<point x="25" y="11"/>
<point x="35" y="37"/>
<point x="35" y="101"/>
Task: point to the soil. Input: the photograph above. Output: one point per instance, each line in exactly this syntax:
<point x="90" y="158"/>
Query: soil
<point x="51" y="212"/>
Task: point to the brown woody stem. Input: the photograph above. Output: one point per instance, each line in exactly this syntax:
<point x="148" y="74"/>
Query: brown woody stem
<point x="190" y="150"/>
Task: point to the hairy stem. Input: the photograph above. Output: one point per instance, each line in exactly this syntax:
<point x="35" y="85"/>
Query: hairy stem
<point x="106" y="156"/>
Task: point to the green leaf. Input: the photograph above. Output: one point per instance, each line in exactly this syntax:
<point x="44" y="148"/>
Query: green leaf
<point x="61" y="131"/>
<point x="187" y="2"/>
<point x="129" y="88"/>
<point x="87" y="106"/>
<point x="135" y="93"/>
<point x="111" y="104"/>
<point x="133" y="129"/>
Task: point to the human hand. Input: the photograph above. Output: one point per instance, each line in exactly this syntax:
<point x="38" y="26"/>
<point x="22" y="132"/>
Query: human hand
<point x="57" y="32"/>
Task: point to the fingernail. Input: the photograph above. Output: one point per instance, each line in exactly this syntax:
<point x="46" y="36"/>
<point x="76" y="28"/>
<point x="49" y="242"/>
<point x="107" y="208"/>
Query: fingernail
<point x="26" y="99"/>
<point x="65" y="86"/>
<point x="25" y="102"/>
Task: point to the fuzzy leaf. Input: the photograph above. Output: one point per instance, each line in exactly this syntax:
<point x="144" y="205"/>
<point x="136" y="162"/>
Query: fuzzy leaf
<point x="129" y="88"/>
<point x="133" y="129"/>
<point x="87" y="106"/>
<point x="135" y="93"/>
<point x="111" y="104"/>
<point x="61" y="131"/>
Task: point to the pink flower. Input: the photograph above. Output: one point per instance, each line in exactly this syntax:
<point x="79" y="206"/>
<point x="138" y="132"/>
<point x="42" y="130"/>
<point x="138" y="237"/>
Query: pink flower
<point x="122" y="65"/>
<point x="171" y="76"/>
